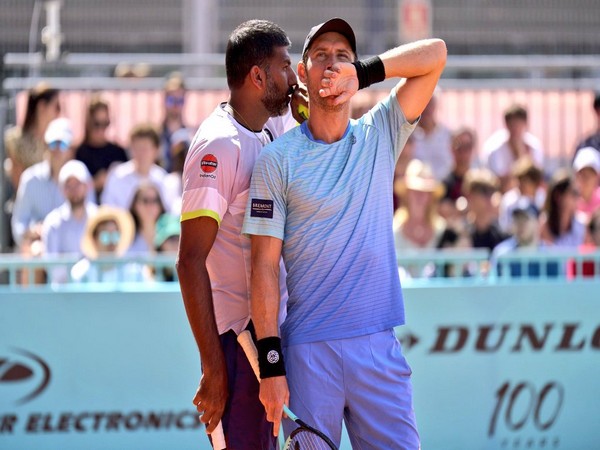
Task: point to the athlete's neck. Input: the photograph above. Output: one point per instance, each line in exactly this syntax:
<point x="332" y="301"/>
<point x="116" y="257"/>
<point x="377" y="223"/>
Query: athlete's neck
<point x="328" y="126"/>
<point x="248" y="112"/>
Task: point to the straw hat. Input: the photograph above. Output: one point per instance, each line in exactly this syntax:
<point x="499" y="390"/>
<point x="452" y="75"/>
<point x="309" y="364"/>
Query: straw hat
<point x="419" y="177"/>
<point x="106" y="213"/>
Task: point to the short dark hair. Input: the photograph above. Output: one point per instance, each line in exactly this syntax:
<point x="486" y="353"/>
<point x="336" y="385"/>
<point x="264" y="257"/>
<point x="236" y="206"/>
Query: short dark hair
<point x="597" y="101"/>
<point x="515" y="112"/>
<point x="249" y="45"/>
<point x="145" y="131"/>
<point x="525" y="168"/>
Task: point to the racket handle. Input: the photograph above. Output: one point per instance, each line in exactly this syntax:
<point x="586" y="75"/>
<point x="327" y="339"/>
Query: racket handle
<point x="218" y="438"/>
<point x="247" y="344"/>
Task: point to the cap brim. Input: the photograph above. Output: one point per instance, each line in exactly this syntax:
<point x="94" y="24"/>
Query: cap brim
<point x="336" y="25"/>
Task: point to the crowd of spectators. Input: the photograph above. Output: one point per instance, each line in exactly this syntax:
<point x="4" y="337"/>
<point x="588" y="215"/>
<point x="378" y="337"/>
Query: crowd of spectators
<point x="502" y="201"/>
<point x="95" y="199"/>
<point x="100" y="198"/>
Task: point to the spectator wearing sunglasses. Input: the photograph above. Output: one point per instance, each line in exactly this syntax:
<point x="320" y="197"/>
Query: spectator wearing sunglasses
<point x="146" y="208"/>
<point x="174" y="97"/>
<point x="39" y="190"/>
<point x="96" y="151"/>
<point x="108" y="234"/>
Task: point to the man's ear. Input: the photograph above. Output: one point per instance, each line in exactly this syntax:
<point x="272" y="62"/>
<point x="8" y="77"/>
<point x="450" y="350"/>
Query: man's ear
<point x="258" y="77"/>
<point x="301" y="69"/>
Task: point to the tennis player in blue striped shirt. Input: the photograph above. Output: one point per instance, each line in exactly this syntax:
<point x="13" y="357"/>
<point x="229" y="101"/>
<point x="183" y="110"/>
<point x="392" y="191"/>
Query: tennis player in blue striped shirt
<point x="321" y="196"/>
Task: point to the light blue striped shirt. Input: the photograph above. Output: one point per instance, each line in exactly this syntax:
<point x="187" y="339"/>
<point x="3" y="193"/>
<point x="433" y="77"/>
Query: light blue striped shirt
<point x="332" y="206"/>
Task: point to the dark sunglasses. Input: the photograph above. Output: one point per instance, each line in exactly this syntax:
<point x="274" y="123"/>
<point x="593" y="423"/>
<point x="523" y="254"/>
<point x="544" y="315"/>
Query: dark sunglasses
<point x="58" y="145"/>
<point x="172" y="100"/>
<point x="149" y="200"/>
<point x="101" y="125"/>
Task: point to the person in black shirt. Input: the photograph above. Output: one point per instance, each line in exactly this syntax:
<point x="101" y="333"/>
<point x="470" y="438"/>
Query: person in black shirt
<point x="482" y="190"/>
<point x="593" y="140"/>
<point x="96" y="151"/>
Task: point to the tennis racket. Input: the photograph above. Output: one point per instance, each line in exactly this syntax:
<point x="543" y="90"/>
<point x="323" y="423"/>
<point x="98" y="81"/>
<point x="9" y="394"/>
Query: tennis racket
<point x="304" y="437"/>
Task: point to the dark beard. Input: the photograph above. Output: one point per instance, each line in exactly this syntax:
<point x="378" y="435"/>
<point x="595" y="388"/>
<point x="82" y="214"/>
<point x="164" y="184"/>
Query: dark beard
<point x="77" y="203"/>
<point x="274" y="101"/>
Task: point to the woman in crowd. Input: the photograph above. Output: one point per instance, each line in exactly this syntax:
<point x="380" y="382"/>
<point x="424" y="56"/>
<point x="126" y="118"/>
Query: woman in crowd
<point x="146" y="207"/>
<point x="96" y="151"/>
<point x="561" y="226"/>
<point x="25" y="145"/>
<point x="417" y="223"/>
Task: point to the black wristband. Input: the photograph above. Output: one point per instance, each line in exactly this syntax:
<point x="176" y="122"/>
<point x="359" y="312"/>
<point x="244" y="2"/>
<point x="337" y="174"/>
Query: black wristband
<point x="369" y="71"/>
<point x="270" y="357"/>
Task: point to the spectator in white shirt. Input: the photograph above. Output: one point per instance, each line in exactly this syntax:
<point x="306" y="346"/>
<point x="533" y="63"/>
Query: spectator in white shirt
<point x="432" y="141"/>
<point x="506" y="146"/>
<point x="63" y="227"/>
<point x="39" y="192"/>
<point x="123" y="179"/>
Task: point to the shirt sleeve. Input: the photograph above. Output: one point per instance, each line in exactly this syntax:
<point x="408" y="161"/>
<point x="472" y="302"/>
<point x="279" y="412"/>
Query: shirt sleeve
<point x="208" y="178"/>
<point x="50" y="234"/>
<point x="266" y="211"/>
<point x="389" y="119"/>
<point x="21" y="216"/>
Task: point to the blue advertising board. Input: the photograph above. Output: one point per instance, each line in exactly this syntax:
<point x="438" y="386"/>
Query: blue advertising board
<point x="494" y="367"/>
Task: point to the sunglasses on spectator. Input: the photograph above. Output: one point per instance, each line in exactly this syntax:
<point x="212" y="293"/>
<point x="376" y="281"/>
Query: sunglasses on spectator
<point x="173" y="100"/>
<point x="58" y="145"/>
<point x="101" y="125"/>
<point x="149" y="200"/>
<point x="109" y="237"/>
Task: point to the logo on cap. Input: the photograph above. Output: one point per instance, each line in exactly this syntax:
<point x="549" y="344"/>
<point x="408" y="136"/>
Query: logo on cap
<point x="209" y="163"/>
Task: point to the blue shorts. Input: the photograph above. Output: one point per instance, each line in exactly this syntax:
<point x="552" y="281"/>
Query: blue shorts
<point x="244" y="421"/>
<point x="363" y="381"/>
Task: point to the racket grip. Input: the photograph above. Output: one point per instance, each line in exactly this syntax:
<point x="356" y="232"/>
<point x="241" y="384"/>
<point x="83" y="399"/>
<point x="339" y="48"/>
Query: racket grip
<point x="247" y="344"/>
<point x="218" y="438"/>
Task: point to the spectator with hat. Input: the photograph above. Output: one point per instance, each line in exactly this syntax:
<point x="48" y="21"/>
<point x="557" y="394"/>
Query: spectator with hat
<point x="39" y="190"/>
<point x="108" y="235"/>
<point x="63" y="227"/>
<point x="417" y="223"/>
<point x="586" y="166"/>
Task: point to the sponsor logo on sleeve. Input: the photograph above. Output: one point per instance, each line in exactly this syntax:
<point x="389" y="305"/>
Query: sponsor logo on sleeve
<point x="261" y="208"/>
<point x="208" y="164"/>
